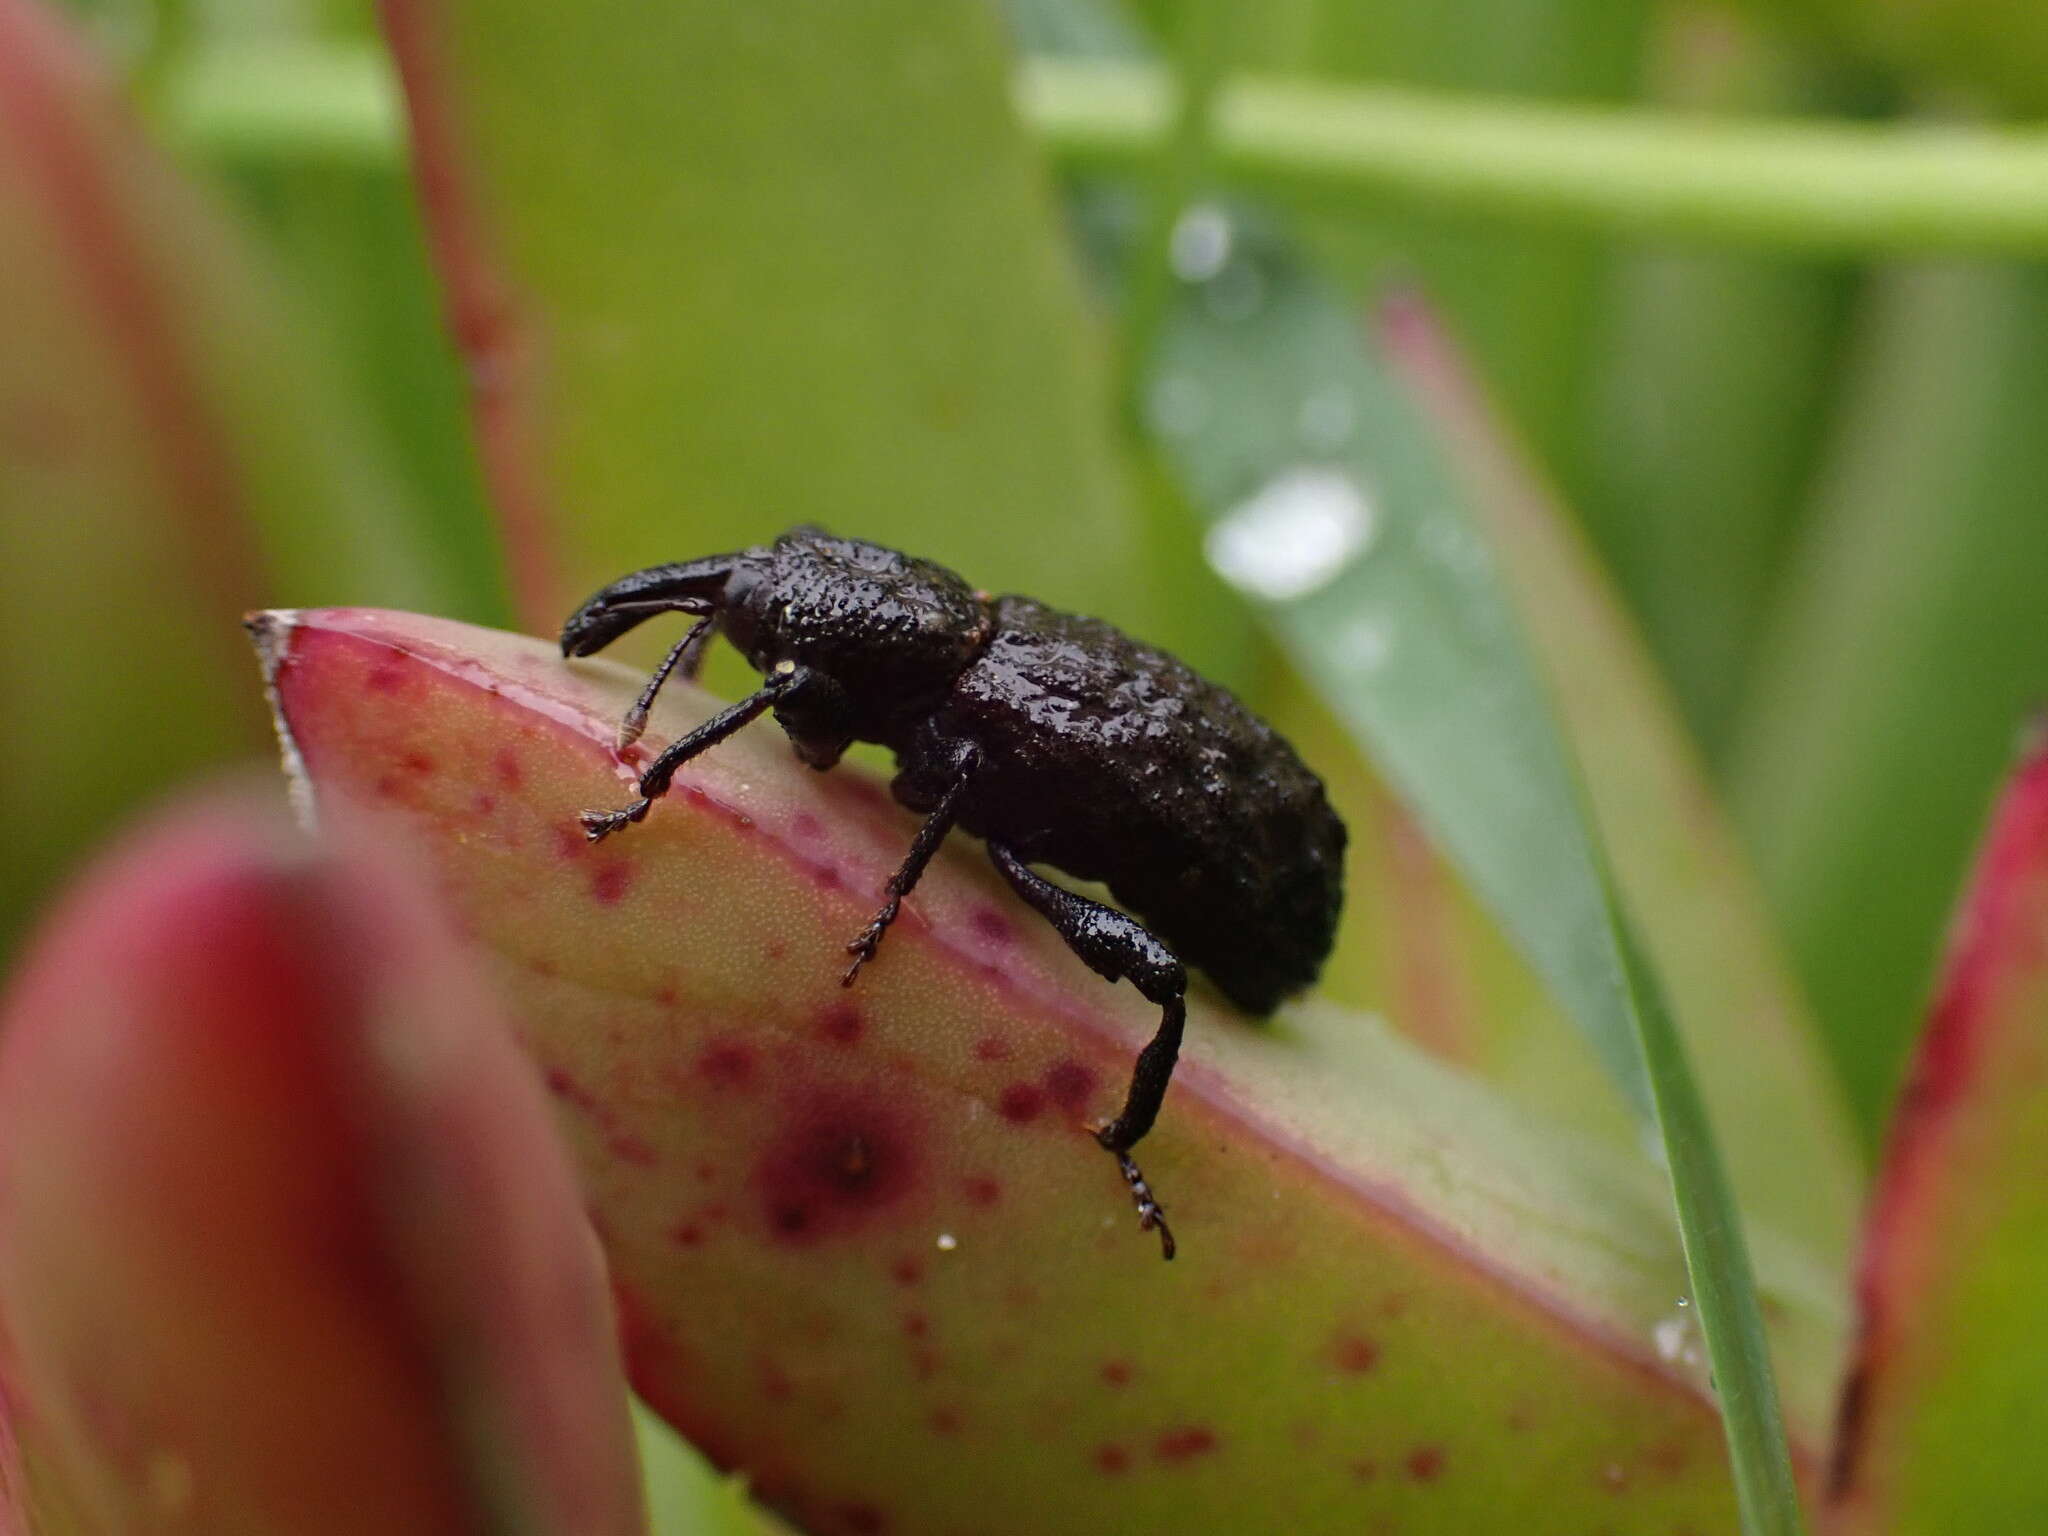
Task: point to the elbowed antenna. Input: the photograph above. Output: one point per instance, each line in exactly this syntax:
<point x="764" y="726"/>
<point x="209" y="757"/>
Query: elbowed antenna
<point x="691" y="586"/>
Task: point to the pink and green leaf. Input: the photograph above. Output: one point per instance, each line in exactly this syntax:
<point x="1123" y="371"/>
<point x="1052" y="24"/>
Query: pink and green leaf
<point x="1944" y="1412"/>
<point x="287" y="1240"/>
<point x="865" y="1250"/>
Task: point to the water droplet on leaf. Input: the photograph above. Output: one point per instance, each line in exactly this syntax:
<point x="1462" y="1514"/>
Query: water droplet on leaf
<point x="1294" y="534"/>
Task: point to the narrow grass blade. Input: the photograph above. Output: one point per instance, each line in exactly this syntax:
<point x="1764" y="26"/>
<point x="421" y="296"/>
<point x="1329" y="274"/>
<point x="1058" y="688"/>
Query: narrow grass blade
<point x="1336" y="511"/>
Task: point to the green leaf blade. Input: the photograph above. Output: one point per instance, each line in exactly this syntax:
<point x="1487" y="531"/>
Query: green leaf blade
<point x="1377" y="580"/>
<point x="701" y="312"/>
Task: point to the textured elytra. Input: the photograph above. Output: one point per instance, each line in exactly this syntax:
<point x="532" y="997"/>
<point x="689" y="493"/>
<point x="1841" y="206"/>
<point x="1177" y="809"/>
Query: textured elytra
<point x="865" y="1250"/>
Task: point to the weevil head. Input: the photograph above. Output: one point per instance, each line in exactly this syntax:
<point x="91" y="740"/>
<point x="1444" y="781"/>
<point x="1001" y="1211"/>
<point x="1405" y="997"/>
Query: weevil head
<point x="692" y="586"/>
<point x="892" y="631"/>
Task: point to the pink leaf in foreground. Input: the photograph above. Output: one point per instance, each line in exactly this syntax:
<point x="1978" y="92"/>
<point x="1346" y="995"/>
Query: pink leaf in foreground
<point x="1946" y="1405"/>
<point x="287" y="1243"/>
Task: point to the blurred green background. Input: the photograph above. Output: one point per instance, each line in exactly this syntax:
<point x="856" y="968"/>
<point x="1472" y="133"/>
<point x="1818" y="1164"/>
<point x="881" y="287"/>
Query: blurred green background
<point x="1814" y="477"/>
<point x="1749" y="285"/>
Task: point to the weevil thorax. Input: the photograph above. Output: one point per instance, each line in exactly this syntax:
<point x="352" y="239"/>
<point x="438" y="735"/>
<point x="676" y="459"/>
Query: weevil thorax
<point x="892" y="631"/>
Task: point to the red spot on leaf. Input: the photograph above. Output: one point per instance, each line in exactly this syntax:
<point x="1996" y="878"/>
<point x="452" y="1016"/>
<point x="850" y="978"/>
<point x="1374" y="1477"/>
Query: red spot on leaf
<point x="1070" y="1084"/>
<point x="1667" y="1457"/>
<point x="628" y="1148"/>
<point x="991" y="1048"/>
<point x="776" y="1385"/>
<point x="862" y="1520"/>
<point x="564" y="1086"/>
<point x="1112" y="1460"/>
<point x="837" y="1162"/>
<point x="826" y="877"/>
<point x="945" y="1421"/>
<point x="981" y="1189"/>
<point x="1354" y="1354"/>
<point x="665" y="996"/>
<point x="1117" y="1372"/>
<point x="841" y="1023"/>
<point x="505" y="768"/>
<point x="1425" y="1463"/>
<point x="688" y="1235"/>
<point x="569" y="842"/>
<point x="993" y="926"/>
<point x="622" y="1144"/>
<point x="916" y="1325"/>
<point x="727" y="1064"/>
<point x="1183" y="1445"/>
<point x="806" y="826"/>
<point x="611" y="881"/>
<point x="906" y="1270"/>
<point x="1365" y="1469"/>
<point x="654" y="1360"/>
<point x="385" y="677"/>
<point x="484" y="804"/>
<point x="416" y="762"/>
<point x="1021" y="1102"/>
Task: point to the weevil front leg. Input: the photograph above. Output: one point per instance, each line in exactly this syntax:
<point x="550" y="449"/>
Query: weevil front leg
<point x="654" y="783"/>
<point x="1116" y="946"/>
<point x="936" y="825"/>
<point x="685" y="656"/>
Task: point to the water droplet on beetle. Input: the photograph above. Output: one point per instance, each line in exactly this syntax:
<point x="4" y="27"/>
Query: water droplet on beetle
<point x="1200" y="244"/>
<point x="1294" y="534"/>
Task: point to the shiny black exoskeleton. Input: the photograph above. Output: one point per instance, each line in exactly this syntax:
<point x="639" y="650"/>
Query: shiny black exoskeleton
<point x="1058" y="739"/>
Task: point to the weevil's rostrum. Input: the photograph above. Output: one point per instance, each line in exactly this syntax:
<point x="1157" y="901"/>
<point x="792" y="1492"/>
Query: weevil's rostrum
<point x="1058" y="739"/>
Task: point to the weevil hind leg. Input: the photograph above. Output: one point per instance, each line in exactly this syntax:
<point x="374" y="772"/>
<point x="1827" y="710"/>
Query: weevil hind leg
<point x="1117" y="946"/>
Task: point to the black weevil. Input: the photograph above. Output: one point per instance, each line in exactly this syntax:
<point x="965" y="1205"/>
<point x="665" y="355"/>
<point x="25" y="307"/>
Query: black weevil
<point x="1058" y="739"/>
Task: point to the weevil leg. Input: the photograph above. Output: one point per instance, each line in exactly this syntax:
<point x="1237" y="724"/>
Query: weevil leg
<point x="936" y="825"/>
<point x="1117" y="946"/>
<point x="598" y="825"/>
<point x="686" y="656"/>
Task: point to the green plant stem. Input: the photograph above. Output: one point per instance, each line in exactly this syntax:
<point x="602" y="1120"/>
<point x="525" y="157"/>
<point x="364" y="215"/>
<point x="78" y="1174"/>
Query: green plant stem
<point x="1817" y="187"/>
<point x="1822" y="188"/>
<point x="285" y="101"/>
